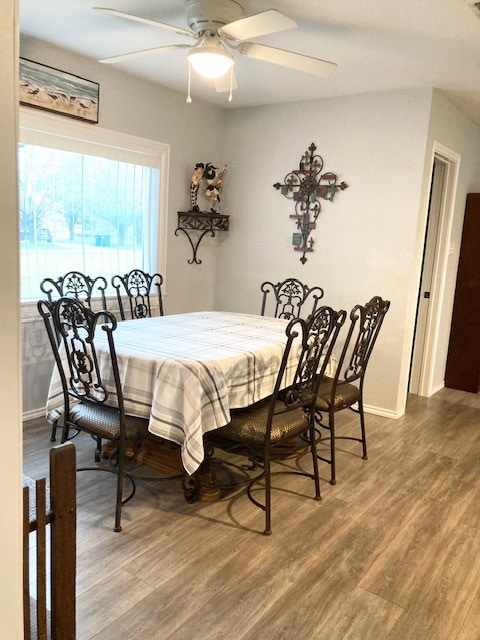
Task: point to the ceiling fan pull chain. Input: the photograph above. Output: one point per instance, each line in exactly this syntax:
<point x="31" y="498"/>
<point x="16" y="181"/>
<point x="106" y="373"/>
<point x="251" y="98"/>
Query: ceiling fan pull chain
<point x="189" y="97"/>
<point x="230" y="97"/>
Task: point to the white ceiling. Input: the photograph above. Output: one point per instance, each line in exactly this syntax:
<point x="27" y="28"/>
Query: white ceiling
<point x="379" y="45"/>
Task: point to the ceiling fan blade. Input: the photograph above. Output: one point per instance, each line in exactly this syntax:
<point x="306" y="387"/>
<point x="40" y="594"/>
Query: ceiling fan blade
<point x="153" y="23"/>
<point x="289" y="59"/>
<point x="261" y="24"/>
<point x="145" y="52"/>
<point x="222" y="84"/>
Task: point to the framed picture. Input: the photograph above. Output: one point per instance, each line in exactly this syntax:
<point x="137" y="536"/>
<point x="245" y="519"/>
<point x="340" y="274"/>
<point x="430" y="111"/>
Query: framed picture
<point x="50" y="89"/>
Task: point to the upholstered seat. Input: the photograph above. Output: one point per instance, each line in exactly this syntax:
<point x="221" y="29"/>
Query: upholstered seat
<point x="104" y="421"/>
<point x="249" y="425"/>
<point x="345" y="395"/>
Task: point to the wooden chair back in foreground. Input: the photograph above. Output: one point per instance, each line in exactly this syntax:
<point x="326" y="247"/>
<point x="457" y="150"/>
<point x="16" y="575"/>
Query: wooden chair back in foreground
<point x="289" y="411"/>
<point x="346" y="388"/>
<point x="138" y="286"/>
<point x="55" y="507"/>
<point x="287" y="298"/>
<point x="75" y="284"/>
<point x="88" y="404"/>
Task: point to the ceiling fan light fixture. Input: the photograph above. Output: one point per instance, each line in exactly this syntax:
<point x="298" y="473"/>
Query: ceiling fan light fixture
<point x="210" y="61"/>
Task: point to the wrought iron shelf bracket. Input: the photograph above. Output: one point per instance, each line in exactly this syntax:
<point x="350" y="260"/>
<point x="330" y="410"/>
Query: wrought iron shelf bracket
<point x="197" y="224"/>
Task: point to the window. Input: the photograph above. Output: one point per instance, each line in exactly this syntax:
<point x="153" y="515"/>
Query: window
<point x="90" y="200"/>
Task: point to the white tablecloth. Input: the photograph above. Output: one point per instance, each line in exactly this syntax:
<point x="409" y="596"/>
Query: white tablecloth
<point x="185" y="372"/>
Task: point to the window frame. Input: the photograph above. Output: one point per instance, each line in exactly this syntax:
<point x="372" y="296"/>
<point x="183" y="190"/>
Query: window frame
<point x="156" y="154"/>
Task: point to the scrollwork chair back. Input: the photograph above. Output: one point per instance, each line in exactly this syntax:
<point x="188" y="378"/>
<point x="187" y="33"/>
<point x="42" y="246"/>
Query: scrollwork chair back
<point x="286" y="299"/>
<point x="75" y="284"/>
<point x="138" y="286"/>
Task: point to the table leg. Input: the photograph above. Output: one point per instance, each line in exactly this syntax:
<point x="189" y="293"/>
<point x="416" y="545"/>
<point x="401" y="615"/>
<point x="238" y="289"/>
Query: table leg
<point x="190" y="488"/>
<point x="202" y="485"/>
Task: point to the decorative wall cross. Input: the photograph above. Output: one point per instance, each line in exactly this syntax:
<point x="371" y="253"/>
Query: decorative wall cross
<point x="305" y="186"/>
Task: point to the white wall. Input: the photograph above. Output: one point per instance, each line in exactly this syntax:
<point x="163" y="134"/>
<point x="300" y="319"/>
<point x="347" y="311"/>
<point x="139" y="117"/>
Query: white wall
<point x="10" y="414"/>
<point x="131" y="105"/>
<point x="364" y="240"/>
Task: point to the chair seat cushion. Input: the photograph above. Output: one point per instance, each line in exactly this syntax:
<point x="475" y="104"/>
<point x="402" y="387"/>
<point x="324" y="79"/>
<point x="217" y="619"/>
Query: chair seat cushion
<point x="249" y="425"/>
<point x="346" y="395"/>
<point x="104" y="421"/>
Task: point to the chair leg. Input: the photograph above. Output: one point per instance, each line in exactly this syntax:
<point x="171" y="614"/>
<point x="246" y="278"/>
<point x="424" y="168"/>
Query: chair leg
<point x="331" y="424"/>
<point x="268" y="493"/>
<point x="362" y="427"/>
<point x="65" y="430"/>
<point x="53" y="437"/>
<point x="120" y="469"/>
<point x="313" y="448"/>
<point x="98" y="450"/>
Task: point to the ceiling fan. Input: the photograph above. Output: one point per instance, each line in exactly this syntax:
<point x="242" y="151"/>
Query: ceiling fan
<point x="218" y="29"/>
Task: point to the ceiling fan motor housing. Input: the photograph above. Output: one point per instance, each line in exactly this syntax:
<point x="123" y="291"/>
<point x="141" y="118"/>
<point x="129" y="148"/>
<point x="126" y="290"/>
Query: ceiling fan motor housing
<point x="210" y="15"/>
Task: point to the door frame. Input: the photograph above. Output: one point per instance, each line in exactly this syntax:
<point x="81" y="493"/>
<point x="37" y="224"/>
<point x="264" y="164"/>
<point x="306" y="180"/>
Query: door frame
<point x="443" y="250"/>
<point x="427" y="276"/>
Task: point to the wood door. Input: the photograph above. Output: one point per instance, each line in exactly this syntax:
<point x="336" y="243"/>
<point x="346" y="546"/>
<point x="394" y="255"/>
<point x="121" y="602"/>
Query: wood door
<point x="463" y="360"/>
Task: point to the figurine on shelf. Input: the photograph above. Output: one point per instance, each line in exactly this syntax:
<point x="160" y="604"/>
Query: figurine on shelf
<point x="196" y="180"/>
<point x="213" y="184"/>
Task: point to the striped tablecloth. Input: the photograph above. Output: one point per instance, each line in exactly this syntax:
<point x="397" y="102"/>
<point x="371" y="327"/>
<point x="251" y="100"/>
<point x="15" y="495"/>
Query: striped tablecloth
<point x="185" y="372"/>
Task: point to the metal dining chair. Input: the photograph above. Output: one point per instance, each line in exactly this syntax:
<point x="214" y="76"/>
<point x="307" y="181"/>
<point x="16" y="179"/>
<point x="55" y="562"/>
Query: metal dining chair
<point x="87" y="403"/>
<point x="289" y="411"/>
<point x="138" y="287"/>
<point x="77" y="285"/>
<point x="345" y="389"/>
<point x="286" y="299"/>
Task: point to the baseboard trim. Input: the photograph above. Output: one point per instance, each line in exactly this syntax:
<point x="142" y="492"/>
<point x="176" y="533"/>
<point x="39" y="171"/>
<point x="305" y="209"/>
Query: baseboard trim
<point x="379" y="411"/>
<point x="33" y="414"/>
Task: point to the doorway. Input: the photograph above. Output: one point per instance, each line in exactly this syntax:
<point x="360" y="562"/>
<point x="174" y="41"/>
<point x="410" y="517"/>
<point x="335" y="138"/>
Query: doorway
<point x="436" y="249"/>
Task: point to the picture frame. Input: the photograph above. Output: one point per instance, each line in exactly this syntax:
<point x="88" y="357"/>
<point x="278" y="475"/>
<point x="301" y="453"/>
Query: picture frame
<point x="50" y="89"/>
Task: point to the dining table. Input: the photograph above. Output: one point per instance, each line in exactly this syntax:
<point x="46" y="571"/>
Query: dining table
<point x="186" y="372"/>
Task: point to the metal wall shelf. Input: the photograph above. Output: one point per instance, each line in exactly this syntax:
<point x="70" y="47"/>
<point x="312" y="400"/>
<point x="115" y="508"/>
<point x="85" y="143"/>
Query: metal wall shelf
<point x="203" y="222"/>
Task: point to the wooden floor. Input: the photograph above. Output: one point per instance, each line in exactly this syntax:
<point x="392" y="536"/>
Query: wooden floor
<point x="392" y="551"/>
